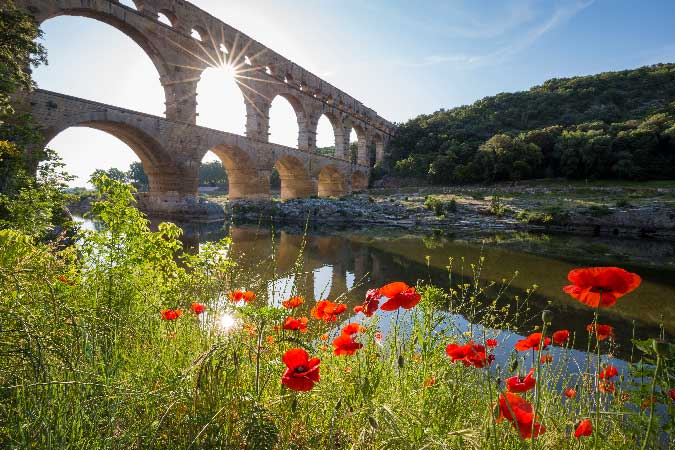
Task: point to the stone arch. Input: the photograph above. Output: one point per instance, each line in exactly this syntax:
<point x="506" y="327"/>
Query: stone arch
<point x="300" y="116"/>
<point x="295" y="179"/>
<point x="359" y="181"/>
<point x="338" y="133"/>
<point x="245" y="181"/>
<point x="331" y="182"/>
<point x="162" y="175"/>
<point x="109" y="18"/>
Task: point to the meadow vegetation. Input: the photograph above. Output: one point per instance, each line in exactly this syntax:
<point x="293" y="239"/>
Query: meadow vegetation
<point x="123" y="340"/>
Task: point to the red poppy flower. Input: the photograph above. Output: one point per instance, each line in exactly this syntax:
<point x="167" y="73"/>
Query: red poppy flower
<point x="470" y="354"/>
<point x="400" y="295"/>
<point x="171" y="314"/>
<point x="328" y="311"/>
<point x="608" y="373"/>
<point x="604" y="331"/>
<point x="324" y="337"/>
<point x="521" y="384"/>
<point x="546" y="359"/>
<point x="531" y="342"/>
<point x="301" y="371"/>
<point x="353" y="328"/>
<point x="372" y="302"/>
<point x="345" y="345"/>
<point x="491" y="343"/>
<point x="560" y="336"/>
<point x="293" y="302"/>
<point x="237" y="295"/>
<point x="606" y="387"/>
<point x="430" y="381"/>
<point x="601" y="286"/>
<point x="198" y="308"/>
<point x="522" y="417"/>
<point x="570" y="392"/>
<point x="585" y="428"/>
<point x="378" y="336"/>
<point x="293" y="324"/>
<point x="357" y="309"/>
<point x="672" y="394"/>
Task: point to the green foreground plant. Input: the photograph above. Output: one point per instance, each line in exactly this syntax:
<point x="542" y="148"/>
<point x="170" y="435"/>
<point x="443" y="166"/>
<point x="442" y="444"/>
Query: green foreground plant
<point x="88" y="362"/>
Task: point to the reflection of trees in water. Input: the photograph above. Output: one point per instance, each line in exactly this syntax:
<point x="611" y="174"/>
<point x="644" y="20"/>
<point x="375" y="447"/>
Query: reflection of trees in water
<point x="378" y="262"/>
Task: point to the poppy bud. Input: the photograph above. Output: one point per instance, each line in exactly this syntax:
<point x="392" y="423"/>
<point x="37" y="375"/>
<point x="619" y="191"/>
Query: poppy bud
<point x="373" y="422"/>
<point x="294" y="404"/>
<point x="547" y="316"/>
<point x="660" y="347"/>
<point x="400" y="361"/>
<point x="514" y="365"/>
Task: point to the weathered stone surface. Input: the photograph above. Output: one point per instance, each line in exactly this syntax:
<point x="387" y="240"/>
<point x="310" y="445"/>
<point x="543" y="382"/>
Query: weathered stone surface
<point x="171" y="148"/>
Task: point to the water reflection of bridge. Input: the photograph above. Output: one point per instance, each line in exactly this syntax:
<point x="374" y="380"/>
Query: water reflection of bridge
<point x="352" y="264"/>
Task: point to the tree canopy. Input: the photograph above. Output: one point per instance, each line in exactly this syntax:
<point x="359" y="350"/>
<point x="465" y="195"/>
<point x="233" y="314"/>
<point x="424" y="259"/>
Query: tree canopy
<point x="610" y="125"/>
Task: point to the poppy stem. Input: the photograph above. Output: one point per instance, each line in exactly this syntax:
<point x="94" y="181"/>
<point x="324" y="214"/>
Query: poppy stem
<point x="651" y="402"/>
<point x="597" y="371"/>
<point x="542" y="340"/>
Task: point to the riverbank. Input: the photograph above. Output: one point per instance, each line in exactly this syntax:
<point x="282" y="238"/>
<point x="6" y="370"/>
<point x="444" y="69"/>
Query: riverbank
<point x="598" y="209"/>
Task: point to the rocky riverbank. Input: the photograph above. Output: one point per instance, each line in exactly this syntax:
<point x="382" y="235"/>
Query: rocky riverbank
<point x="629" y="211"/>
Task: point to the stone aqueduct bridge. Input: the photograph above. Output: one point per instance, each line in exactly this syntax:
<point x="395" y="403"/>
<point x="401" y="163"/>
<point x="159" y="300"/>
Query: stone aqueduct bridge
<point x="172" y="147"/>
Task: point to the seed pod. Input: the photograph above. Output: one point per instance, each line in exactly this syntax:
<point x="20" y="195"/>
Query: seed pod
<point x="547" y="316"/>
<point x="294" y="404"/>
<point x="401" y="361"/>
<point x="373" y="422"/>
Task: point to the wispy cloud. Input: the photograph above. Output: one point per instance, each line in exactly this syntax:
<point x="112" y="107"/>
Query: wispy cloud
<point x="522" y="41"/>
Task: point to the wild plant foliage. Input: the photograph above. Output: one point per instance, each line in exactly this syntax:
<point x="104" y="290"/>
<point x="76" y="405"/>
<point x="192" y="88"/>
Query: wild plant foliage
<point x="126" y="340"/>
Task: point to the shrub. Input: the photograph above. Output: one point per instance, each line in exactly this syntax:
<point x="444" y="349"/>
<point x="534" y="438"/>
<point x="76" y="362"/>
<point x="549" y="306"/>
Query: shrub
<point x="439" y="206"/>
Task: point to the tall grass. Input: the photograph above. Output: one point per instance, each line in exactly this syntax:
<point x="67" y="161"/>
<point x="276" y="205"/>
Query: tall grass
<point x="87" y="362"/>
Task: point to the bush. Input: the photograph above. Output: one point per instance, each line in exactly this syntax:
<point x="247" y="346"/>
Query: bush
<point x="439" y="206"/>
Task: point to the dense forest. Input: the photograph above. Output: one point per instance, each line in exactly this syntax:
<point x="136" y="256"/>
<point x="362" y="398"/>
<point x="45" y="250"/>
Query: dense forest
<point x="611" y="125"/>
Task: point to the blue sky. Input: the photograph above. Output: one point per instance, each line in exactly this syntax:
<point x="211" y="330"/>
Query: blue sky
<point x="402" y="58"/>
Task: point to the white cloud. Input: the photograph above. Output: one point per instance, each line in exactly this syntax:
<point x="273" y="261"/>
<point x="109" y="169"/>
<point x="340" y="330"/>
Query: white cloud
<point x="522" y="41"/>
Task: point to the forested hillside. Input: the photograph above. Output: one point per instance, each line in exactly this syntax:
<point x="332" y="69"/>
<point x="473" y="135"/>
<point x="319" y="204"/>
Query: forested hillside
<point x="610" y="125"/>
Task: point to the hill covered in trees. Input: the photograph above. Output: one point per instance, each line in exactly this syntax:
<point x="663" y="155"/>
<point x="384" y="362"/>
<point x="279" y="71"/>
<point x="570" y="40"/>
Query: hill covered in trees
<point x="610" y="125"/>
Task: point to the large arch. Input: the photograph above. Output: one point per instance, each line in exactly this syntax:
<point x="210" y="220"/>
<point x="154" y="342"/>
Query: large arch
<point x="330" y="133"/>
<point x="331" y="182"/>
<point x="295" y="179"/>
<point x="154" y="158"/>
<point x="104" y="13"/>
<point x="111" y="67"/>
<point x="279" y="121"/>
<point x="244" y="179"/>
<point x="220" y="101"/>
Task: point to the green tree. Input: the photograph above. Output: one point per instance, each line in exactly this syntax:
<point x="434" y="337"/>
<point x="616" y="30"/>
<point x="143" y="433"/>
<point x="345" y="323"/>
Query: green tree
<point x="213" y="174"/>
<point x="138" y="177"/>
<point x="113" y="173"/>
<point x="32" y="182"/>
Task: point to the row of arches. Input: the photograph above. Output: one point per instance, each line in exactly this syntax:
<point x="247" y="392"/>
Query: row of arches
<point x="222" y="101"/>
<point x="124" y="145"/>
<point x="220" y="97"/>
<point x="242" y="50"/>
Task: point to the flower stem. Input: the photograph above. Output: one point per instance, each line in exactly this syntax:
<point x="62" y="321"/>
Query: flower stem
<point x="651" y="402"/>
<point x="597" y="372"/>
<point x="537" y="387"/>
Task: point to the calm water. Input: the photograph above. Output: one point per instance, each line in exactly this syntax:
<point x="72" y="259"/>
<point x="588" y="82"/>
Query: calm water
<point x="347" y="263"/>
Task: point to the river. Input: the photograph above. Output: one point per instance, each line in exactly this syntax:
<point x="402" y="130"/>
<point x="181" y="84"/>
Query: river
<point x="344" y="264"/>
